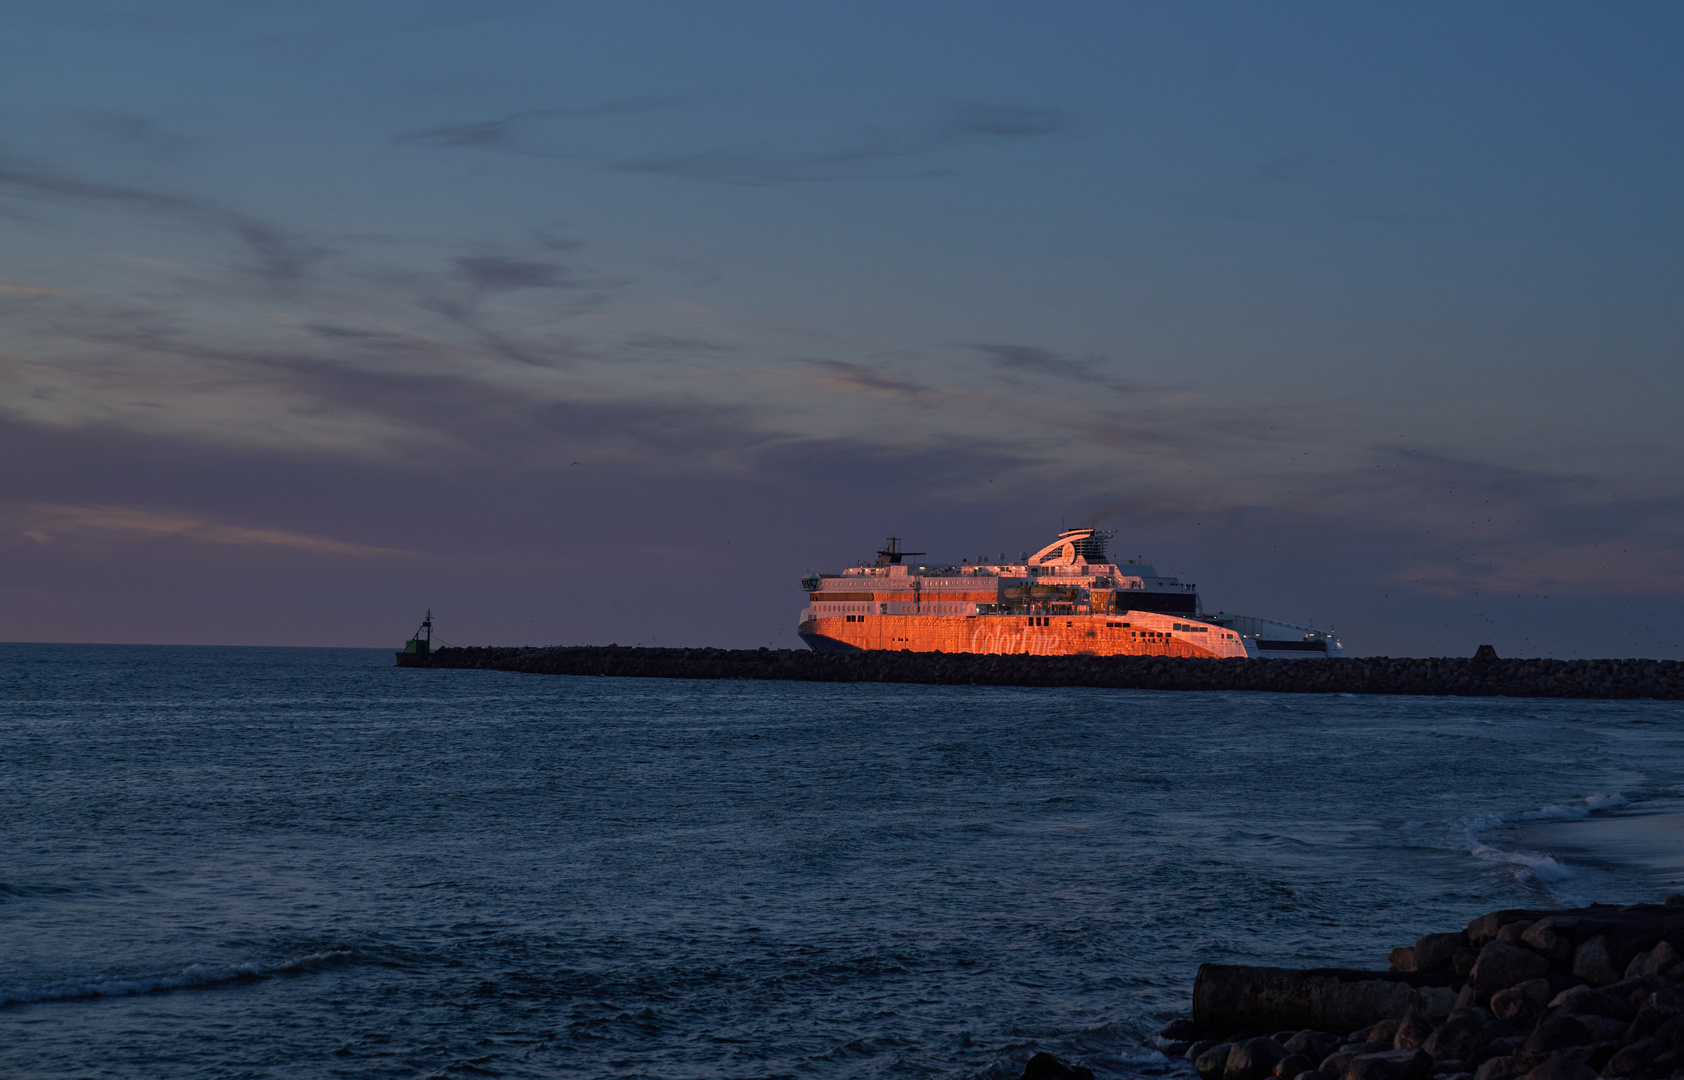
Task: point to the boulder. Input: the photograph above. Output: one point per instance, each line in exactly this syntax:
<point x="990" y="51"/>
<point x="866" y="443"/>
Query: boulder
<point x="1556" y="1033"/>
<point x="1549" y="939"/>
<point x="1459" y="1037"/>
<point x="1253" y="1059"/>
<point x="1044" y="1066"/>
<point x="1462" y="963"/>
<point x="1521" y="1002"/>
<point x="1653" y="962"/>
<point x="1313" y="1044"/>
<point x="1594" y="962"/>
<point x="1497" y="1068"/>
<point x="1383" y="1032"/>
<point x="1293" y="1064"/>
<point x="1449" y="1067"/>
<point x="1412" y="1031"/>
<point x="1635" y="1058"/>
<point x="1211" y="1064"/>
<point x="1585" y="999"/>
<point x="1601" y="1028"/>
<point x="1402" y="958"/>
<point x="1662" y="1006"/>
<point x="1410" y="1064"/>
<point x="1502" y="964"/>
<point x="1512" y="932"/>
<point x="1484" y="928"/>
<point x="1561" y="1068"/>
<point x="1436" y="952"/>
<point x="1195" y="1049"/>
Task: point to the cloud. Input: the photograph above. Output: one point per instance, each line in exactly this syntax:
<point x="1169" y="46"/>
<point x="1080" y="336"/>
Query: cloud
<point x="19" y="288"/>
<point x="518" y="132"/>
<point x="47" y="523"/>
<point x="1033" y="360"/>
<point x="839" y="376"/>
<point x="663" y="343"/>
<point x="497" y="273"/>
<point x="863" y="158"/>
<point x="282" y="255"/>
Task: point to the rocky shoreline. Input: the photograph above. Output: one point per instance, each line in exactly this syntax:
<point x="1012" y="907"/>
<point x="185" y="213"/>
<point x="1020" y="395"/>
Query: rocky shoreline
<point x="1517" y="995"/>
<point x="1483" y="675"/>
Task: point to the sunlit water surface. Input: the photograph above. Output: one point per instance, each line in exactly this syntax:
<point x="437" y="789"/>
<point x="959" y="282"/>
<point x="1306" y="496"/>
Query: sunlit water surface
<point x="307" y="863"/>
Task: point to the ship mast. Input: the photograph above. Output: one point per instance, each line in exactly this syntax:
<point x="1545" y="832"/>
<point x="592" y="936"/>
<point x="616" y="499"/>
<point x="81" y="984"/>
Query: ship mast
<point x="891" y="555"/>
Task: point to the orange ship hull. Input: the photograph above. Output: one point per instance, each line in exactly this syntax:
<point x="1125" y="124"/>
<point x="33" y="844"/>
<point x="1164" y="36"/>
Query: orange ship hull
<point x="1057" y="635"/>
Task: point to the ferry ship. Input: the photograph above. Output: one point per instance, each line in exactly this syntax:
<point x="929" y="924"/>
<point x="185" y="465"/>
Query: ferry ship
<point x="1068" y="598"/>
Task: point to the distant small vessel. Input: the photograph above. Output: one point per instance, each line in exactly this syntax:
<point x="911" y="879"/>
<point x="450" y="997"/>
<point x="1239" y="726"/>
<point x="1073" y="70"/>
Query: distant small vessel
<point x="418" y="648"/>
<point x="1068" y="598"/>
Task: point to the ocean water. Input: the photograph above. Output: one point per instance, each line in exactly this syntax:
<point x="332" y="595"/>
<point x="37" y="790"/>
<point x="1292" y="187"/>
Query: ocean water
<point x="307" y="863"/>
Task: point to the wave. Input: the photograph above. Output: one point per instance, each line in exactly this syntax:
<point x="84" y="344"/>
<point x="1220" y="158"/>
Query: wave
<point x="194" y="976"/>
<point x="1529" y="865"/>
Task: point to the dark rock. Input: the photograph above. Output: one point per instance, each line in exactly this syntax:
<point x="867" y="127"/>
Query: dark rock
<point x="1522" y="1002"/>
<point x="1383" y="1031"/>
<point x="1409" y="1064"/>
<point x="1412" y="1031"/>
<point x="1452" y="1067"/>
<point x="1195" y="1049"/>
<point x="1436" y="952"/>
<point x="1459" y="1037"/>
<point x="1602" y="1028"/>
<point x="1584" y="999"/>
<point x="1502" y="964"/>
<point x="1402" y="958"/>
<point x="1253" y="1059"/>
<point x="1549" y="938"/>
<point x="1497" y="1068"/>
<point x="1561" y="1068"/>
<point x="1179" y="1029"/>
<point x="1635" y="1058"/>
<point x="1334" y="1064"/>
<point x="1313" y="1044"/>
<point x="1293" y="1064"/>
<point x="1653" y="962"/>
<point x="1462" y="963"/>
<point x="1556" y="1033"/>
<point x="1213" y="1063"/>
<point x="1504" y="1046"/>
<point x="1512" y="932"/>
<point x="1593" y="962"/>
<point x="1044" y="1066"/>
<point x="1662" y="1006"/>
<point x="1484" y="929"/>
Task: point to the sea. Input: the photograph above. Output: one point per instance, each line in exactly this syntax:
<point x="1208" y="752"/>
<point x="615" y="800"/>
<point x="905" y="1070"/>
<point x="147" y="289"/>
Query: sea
<point x="263" y="862"/>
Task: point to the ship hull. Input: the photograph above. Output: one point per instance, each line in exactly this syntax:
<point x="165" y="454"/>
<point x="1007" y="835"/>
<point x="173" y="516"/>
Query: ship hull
<point x="1060" y="635"/>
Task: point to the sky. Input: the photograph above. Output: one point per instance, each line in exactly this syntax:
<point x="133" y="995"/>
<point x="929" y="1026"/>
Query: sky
<point x="606" y="323"/>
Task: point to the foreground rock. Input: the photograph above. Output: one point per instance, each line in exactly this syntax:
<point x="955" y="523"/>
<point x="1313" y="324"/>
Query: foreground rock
<point x="1349" y="675"/>
<point x="1517" y="995"/>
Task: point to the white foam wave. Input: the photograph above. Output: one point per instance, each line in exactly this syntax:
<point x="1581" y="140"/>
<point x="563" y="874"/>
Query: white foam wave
<point x="1535" y="866"/>
<point x="192" y="976"/>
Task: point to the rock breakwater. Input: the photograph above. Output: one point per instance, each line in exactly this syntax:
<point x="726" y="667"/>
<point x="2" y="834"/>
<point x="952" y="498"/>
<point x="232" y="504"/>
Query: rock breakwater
<point x="1478" y="676"/>
<point x="1540" y="995"/>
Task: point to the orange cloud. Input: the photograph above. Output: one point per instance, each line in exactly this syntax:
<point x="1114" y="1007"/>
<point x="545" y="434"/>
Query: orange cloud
<point x="47" y="523"/>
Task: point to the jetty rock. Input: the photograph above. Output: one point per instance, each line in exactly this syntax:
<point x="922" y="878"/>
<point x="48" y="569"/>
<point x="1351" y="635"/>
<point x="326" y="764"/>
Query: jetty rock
<point x="1580" y="994"/>
<point x="1475" y="677"/>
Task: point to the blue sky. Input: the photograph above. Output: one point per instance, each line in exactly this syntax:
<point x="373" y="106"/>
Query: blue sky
<point x="593" y="323"/>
